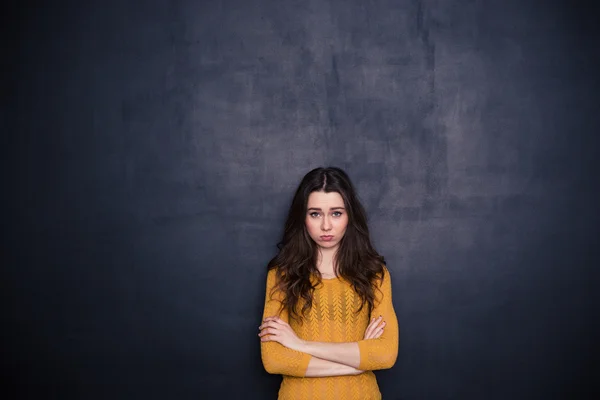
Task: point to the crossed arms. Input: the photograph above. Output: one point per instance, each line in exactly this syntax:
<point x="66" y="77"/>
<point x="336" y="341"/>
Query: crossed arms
<point x="284" y="353"/>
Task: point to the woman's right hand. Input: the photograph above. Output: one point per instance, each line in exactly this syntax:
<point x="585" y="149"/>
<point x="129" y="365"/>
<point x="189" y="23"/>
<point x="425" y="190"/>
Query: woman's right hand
<point x="375" y="328"/>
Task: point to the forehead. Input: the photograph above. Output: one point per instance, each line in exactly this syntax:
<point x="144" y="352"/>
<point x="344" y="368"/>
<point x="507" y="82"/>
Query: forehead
<point x="325" y="200"/>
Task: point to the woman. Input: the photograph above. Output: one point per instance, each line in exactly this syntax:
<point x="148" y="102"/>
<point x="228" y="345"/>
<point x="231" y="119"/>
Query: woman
<point x="328" y="320"/>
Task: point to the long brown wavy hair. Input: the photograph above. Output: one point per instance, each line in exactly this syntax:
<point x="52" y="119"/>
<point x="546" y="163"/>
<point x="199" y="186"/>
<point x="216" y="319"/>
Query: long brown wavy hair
<point x="355" y="260"/>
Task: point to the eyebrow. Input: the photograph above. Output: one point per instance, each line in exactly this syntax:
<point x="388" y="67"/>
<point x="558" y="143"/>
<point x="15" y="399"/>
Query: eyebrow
<point x="332" y="208"/>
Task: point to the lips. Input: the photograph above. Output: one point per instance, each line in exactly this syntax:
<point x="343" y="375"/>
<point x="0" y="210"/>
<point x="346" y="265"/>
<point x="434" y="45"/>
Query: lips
<point x="326" y="238"/>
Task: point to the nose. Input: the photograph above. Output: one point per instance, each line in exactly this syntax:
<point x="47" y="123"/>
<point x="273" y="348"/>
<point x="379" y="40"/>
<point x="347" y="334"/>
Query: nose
<point x="326" y="224"/>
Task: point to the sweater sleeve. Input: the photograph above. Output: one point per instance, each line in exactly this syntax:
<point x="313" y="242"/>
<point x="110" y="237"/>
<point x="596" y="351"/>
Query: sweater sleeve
<point x="276" y="358"/>
<point x="381" y="353"/>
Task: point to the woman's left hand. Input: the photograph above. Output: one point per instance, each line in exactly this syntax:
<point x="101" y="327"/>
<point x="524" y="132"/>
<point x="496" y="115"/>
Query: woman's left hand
<point x="274" y="329"/>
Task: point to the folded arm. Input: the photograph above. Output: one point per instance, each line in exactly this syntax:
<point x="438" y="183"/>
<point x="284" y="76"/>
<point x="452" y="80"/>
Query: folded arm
<point x="366" y="354"/>
<point x="278" y="359"/>
<point x="318" y="367"/>
<point x="381" y="353"/>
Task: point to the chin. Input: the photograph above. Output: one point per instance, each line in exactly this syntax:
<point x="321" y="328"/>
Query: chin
<point x="329" y="245"/>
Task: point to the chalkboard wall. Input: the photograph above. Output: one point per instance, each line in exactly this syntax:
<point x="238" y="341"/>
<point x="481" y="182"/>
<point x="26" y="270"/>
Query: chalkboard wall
<point x="151" y="150"/>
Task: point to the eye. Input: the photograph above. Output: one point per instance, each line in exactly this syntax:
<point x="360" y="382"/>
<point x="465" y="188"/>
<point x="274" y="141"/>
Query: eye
<point x="314" y="214"/>
<point x="337" y="213"/>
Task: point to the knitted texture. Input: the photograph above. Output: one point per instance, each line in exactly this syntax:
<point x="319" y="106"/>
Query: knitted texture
<point x="332" y="318"/>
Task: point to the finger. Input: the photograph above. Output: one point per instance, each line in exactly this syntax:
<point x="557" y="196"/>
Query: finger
<point x="274" y="320"/>
<point x="370" y="333"/>
<point x="373" y="325"/>
<point x="375" y="334"/>
<point x="377" y="320"/>
<point x="269" y="331"/>
<point x="380" y="330"/>
<point x="279" y="321"/>
<point x="270" y="338"/>
<point x="270" y="324"/>
<point x="266" y="331"/>
<point x="370" y="329"/>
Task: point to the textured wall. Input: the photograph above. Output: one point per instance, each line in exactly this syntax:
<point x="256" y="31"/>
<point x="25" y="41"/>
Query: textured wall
<point x="156" y="147"/>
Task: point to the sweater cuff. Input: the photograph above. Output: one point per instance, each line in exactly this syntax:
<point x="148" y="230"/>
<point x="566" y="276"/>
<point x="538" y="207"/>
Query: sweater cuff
<point x="363" y="348"/>
<point x="303" y="364"/>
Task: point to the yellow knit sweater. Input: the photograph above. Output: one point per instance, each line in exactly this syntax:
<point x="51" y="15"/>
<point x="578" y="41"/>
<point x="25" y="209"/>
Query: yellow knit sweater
<point x="332" y="318"/>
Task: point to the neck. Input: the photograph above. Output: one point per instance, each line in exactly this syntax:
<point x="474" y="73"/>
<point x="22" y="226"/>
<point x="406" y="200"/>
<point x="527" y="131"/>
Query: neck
<point x="325" y="261"/>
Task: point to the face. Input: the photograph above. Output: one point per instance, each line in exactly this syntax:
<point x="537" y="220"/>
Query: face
<point x="326" y="219"/>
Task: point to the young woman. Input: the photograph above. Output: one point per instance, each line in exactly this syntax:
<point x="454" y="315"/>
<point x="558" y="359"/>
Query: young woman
<point x="328" y="320"/>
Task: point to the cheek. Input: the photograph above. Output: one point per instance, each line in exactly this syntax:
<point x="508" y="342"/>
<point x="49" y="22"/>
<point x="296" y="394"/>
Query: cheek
<point x="340" y="225"/>
<point x="343" y="224"/>
<point x="311" y="226"/>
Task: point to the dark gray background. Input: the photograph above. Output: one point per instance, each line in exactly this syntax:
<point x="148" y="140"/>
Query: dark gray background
<point x="151" y="150"/>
